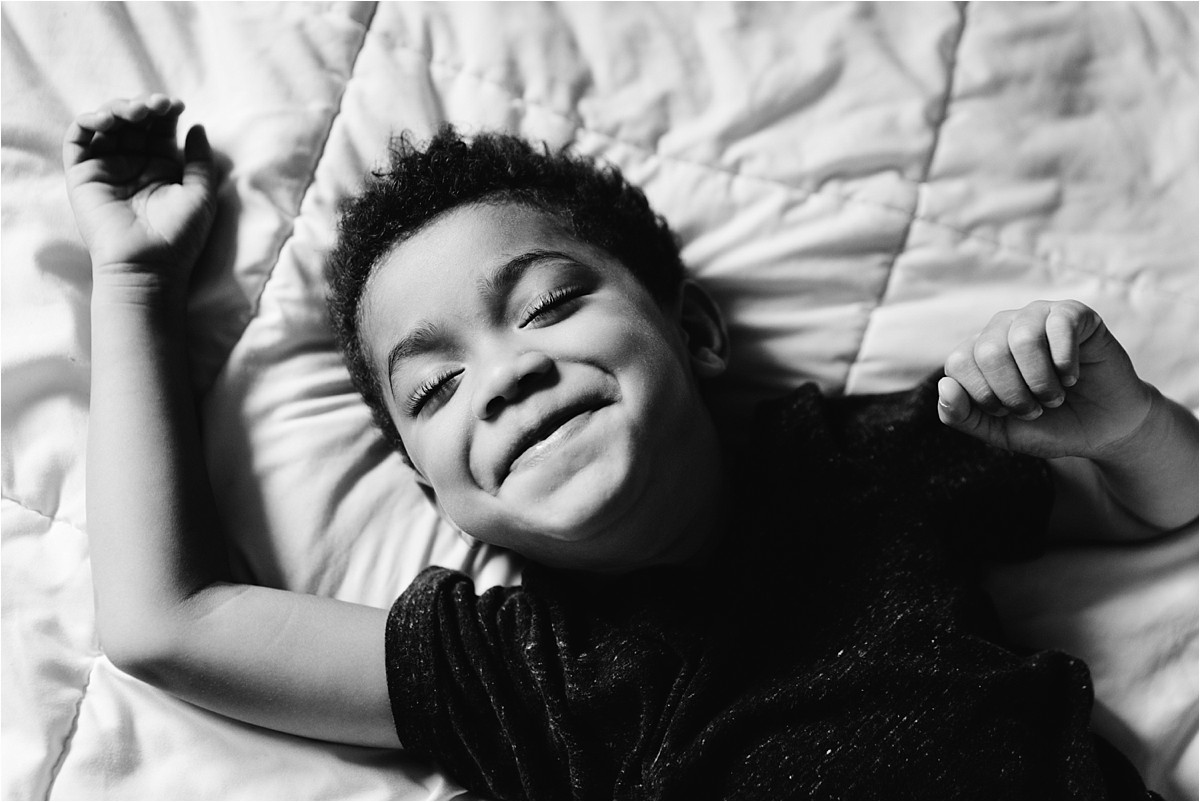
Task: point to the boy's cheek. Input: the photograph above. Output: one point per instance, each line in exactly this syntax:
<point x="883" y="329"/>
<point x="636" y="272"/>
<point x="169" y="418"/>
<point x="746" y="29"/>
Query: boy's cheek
<point x="640" y="343"/>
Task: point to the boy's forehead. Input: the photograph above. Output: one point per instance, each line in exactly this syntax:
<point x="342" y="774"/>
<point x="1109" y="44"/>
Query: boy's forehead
<point x="468" y="246"/>
<point x="468" y="252"/>
<point x="481" y="233"/>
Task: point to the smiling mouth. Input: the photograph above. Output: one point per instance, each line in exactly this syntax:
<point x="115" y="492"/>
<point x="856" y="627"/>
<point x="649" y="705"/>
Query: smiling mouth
<point x="533" y="446"/>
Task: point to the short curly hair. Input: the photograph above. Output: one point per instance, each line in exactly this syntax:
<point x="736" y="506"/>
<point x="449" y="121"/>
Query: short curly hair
<point x="594" y="202"/>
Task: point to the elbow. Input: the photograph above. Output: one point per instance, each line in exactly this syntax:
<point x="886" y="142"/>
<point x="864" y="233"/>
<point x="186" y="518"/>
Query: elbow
<point x="149" y="650"/>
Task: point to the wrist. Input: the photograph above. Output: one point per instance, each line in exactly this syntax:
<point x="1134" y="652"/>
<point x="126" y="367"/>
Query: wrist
<point x="1143" y="435"/>
<point x="1152" y="472"/>
<point x="123" y="311"/>
<point x="122" y="287"/>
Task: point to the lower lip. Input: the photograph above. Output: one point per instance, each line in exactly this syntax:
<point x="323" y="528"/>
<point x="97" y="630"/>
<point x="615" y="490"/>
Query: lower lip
<point x="539" y="451"/>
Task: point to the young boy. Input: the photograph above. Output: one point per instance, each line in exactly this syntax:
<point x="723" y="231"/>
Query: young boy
<point x="792" y="618"/>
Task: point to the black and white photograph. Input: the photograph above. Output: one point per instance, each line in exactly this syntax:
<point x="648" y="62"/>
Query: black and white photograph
<point x="599" y="400"/>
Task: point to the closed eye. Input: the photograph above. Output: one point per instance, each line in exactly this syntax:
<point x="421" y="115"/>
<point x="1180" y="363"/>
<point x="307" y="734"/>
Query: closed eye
<point x="549" y="307"/>
<point x="430" y="391"/>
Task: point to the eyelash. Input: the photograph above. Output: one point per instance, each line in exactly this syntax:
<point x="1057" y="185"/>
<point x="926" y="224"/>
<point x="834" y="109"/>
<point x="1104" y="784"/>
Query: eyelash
<point x="438" y="384"/>
<point x="548" y="301"/>
<point x="428" y="390"/>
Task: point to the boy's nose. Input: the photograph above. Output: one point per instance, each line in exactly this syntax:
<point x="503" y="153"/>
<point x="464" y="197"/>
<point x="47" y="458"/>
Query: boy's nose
<point x="505" y="381"/>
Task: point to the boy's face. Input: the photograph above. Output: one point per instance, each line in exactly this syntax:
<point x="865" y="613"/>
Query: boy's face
<point x="541" y="391"/>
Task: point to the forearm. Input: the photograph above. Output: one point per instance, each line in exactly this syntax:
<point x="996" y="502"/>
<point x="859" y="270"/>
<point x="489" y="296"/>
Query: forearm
<point x="151" y="519"/>
<point x="1140" y="487"/>
<point x="1153" y="473"/>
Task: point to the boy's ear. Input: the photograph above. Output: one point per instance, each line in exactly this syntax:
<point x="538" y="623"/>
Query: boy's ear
<point x="704" y="331"/>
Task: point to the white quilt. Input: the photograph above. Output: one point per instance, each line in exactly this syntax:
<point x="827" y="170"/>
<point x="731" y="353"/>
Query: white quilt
<point x="860" y="186"/>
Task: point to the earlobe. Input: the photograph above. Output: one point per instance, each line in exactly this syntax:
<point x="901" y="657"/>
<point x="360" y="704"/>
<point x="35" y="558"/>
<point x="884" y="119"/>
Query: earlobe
<point x="704" y="331"/>
<point x="707" y="363"/>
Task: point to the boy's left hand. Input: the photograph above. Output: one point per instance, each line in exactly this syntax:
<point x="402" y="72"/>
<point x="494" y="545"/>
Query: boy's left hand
<point x="1047" y="380"/>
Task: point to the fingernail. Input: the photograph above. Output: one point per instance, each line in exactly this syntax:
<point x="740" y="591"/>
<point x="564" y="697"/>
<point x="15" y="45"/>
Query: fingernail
<point x="1054" y="402"/>
<point x="1069" y="381"/>
<point x="1034" y="415"/>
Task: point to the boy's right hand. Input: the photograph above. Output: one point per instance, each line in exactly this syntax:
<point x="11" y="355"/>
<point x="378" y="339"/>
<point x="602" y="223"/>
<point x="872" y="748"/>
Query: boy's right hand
<point x="143" y="211"/>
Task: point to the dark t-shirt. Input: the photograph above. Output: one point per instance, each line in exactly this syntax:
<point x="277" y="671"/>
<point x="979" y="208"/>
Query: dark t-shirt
<point x="834" y="645"/>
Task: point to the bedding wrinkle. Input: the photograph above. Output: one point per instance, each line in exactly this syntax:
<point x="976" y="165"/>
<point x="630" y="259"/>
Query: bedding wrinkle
<point x="647" y="151"/>
<point x="65" y="751"/>
<point x="937" y="116"/>
<point x="128" y="31"/>
<point x="948" y="51"/>
<point x="33" y="89"/>
<point x="63" y="575"/>
<point x="52" y="518"/>
<point x="314" y="164"/>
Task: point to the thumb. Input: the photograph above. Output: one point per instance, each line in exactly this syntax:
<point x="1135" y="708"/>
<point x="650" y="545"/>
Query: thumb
<point x="199" y="169"/>
<point x="956" y="411"/>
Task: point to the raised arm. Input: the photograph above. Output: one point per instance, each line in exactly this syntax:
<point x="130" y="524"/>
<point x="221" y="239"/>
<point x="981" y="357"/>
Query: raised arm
<point x="165" y="610"/>
<point x="1051" y="380"/>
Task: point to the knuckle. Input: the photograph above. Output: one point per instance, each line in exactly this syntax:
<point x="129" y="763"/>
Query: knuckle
<point x="990" y="354"/>
<point x="1071" y="309"/>
<point x="1025" y="340"/>
<point x="959" y="362"/>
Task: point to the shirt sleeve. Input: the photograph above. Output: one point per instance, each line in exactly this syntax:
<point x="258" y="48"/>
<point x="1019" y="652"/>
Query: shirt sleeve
<point x="545" y="691"/>
<point x="460" y="681"/>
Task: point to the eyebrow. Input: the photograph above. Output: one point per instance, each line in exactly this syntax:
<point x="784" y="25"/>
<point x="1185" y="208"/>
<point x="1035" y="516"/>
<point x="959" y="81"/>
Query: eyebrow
<point x="498" y="283"/>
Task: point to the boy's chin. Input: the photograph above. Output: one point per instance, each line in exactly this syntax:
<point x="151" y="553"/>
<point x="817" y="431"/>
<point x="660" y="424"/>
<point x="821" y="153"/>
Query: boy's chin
<point x="575" y="505"/>
<point x="587" y="471"/>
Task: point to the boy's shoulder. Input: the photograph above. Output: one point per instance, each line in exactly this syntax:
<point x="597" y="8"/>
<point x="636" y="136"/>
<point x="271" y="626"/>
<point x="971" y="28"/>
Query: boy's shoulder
<point x="807" y="417"/>
<point x="887" y="457"/>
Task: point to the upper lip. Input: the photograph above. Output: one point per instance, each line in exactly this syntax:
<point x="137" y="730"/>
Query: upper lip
<point x="540" y="426"/>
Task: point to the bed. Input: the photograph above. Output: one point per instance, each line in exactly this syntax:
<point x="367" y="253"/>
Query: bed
<point x="860" y="186"/>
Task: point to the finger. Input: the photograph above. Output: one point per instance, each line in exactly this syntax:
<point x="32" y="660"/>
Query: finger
<point x="160" y="104"/>
<point x="163" y="114"/>
<point x="999" y="368"/>
<point x="1068" y="326"/>
<point x="152" y="122"/>
<point x="1029" y="345"/>
<point x="77" y="140"/>
<point x="956" y="410"/>
<point x="138" y="109"/>
<point x="97" y="131"/>
<point x="130" y="110"/>
<point x="954" y="404"/>
<point x="112" y="113"/>
<point x="159" y="138"/>
<point x="98" y="120"/>
<point x="199" y="169"/>
<point x="961" y="367"/>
